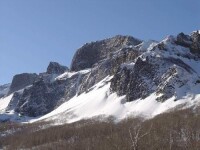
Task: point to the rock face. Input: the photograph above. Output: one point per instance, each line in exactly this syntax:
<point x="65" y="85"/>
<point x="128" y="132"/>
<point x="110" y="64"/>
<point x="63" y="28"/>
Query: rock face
<point x="184" y="40"/>
<point x="192" y="42"/>
<point x="43" y="97"/>
<point x="44" y="93"/>
<point x="56" y="68"/>
<point x="154" y="75"/>
<point x="22" y="80"/>
<point x="131" y="82"/>
<point x="195" y="47"/>
<point x="109" y="66"/>
<point x="92" y="53"/>
<point x="14" y="101"/>
<point x="37" y="100"/>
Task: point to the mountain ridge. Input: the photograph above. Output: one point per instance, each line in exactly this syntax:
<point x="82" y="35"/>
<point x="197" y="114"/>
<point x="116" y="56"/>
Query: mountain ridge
<point x="128" y="70"/>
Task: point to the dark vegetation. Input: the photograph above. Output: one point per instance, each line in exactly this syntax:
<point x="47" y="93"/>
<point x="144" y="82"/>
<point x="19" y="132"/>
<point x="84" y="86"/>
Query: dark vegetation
<point x="178" y="130"/>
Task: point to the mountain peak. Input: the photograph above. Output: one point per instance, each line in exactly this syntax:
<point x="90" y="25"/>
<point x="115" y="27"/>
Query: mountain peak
<point x="91" y="53"/>
<point x="56" y="68"/>
<point x="22" y="80"/>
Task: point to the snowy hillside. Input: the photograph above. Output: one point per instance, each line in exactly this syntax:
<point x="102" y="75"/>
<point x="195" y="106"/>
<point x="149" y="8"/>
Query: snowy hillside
<point x="99" y="102"/>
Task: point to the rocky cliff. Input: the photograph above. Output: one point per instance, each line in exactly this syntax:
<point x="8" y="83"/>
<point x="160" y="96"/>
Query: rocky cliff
<point x="22" y="80"/>
<point x="92" y="53"/>
<point x="56" y="68"/>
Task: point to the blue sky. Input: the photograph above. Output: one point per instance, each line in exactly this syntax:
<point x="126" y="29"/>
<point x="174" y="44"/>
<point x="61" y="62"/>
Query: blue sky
<point x="35" y="32"/>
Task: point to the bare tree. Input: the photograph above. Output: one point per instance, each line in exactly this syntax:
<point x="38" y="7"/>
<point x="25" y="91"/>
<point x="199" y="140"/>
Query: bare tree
<point x="136" y="134"/>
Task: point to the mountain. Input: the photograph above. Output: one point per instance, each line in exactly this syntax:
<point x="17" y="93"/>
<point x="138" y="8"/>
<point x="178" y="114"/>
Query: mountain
<point x="119" y="76"/>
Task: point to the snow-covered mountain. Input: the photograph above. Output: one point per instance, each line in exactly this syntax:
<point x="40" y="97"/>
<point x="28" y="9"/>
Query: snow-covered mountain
<point x="120" y="76"/>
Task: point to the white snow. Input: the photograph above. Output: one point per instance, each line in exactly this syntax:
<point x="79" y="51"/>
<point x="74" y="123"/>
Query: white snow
<point x="128" y="65"/>
<point x="196" y="31"/>
<point x="147" y="45"/>
<point x="4" y="102"/>
<point x="67" y="74"/>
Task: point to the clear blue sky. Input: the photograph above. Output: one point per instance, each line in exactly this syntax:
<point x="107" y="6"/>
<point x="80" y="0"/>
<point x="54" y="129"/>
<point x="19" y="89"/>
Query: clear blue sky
<point x="34" y="32"/>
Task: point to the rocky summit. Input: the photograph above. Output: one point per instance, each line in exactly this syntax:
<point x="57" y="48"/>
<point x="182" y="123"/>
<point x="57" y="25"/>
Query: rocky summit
<point x="93" y="52"/>
<point x="56" y="68"/>
<point x="22" y="80"/>
<point x="131" y="68"/>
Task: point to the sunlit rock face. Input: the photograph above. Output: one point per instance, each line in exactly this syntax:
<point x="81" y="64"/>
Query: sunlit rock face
<point x="154" y="75"/>
<point x="22" y="80"/>
<point x="192" y="41"/>
<point x="92" y="53"/>
<point x="56" y="68"/>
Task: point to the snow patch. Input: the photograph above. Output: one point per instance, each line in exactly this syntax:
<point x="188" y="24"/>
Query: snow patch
<point x="4" y="102"/>
<point x="67" y="74"/>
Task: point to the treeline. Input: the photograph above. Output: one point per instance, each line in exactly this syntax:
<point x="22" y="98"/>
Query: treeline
<point x="178" y="130"/>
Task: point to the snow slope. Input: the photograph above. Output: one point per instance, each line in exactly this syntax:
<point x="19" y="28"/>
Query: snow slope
<point x="4" y="102"/>
<point x="99" y="102"/>
<point x="70" y="74"/>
